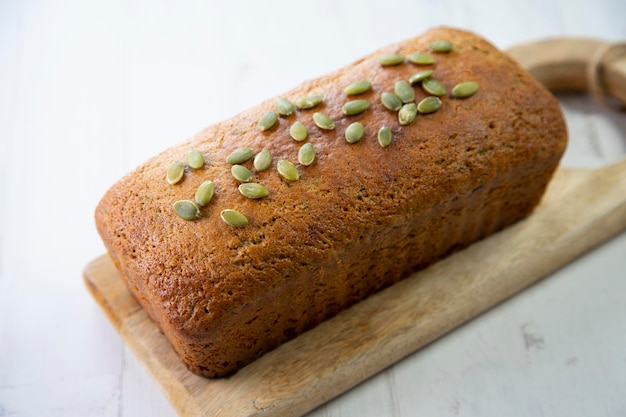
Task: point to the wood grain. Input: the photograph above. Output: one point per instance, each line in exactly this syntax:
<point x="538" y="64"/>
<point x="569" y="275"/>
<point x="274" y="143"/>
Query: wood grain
<point x="581" y="209"/>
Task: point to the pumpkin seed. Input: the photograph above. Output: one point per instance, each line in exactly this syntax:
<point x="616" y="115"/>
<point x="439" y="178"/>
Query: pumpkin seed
<point x="385" y="136"/>
<point x="404" y="90"/>
<point x="355" y="107"/>
<point x="354" y="132"/>
<point x="429" y="105"/>
<point x="391" y="101"/>
<point x="420" y="59"/>
<point x="241" y="173"/>
<point x="433" y="87"/>
<point x="407" y="113"/>
<point x="204" y="193"/>
<point x="298" y="131"/>
<point x="310" y="101"/>
<point x="465" y="89"/>
<point x="441" y="46"/>
<point x="287" y="170"/>
<point x="175" y="172"/>
<point x="284" y="107"/>
<point x="306" y="154"/>
<point x="240" y="156"/>
<point x="357" y="88"/>
<point x="420" y="76"/>
<point x="267" y="121"/>
<point x="253" y="190"/>
<point x="186" y="209"/>
<point x="323" y="121"/>
<point x="195" y="159"/>
<point x="263" y="160"/>
<point x="234" y="218"/>
<point x="390" y="59"/>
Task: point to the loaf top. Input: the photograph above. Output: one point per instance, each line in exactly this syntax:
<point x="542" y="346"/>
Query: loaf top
<point x="511" y="124"/>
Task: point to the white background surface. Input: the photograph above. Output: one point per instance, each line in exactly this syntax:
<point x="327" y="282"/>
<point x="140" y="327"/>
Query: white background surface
<point x="90" y="89"/>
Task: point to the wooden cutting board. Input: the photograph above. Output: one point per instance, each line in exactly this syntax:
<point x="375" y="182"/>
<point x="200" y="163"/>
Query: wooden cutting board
<point x="581" y="209"/>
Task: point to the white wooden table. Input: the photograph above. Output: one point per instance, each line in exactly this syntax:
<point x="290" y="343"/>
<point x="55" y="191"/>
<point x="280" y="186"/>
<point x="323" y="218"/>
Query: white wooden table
<point x="90" y="89"/>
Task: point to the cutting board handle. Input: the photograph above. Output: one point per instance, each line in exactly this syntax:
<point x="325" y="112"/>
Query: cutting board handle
<point x="576" y="64"/>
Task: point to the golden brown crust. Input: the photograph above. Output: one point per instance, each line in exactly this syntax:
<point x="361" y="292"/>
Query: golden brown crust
<point x="360" y="218"/>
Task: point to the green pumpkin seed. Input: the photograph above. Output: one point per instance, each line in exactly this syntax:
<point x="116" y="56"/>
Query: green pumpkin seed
<point x="310" y="101"/>
<point x="263" y="160"/>
<point x="284" y="107"/>
<point x="465" y="89"/>
<point x="268" y="120"/>
<point x="186" y="209"/>
<point x="407" y="113"/>
<point x="354" y="132"/>
<point x="306" y="154"/>
<point x="429" y="105"/>
<point x="420" y="76"/>
<point x="357" y="88"/>
<point x="354" y="107"/>
<point x="390" y="59"/>
<point x="204" y="193"/>
<point x="195" y="159"/>
<point x="433" y="87"/>
<point x="175" y="172"/>
<point x="391" y="101"/>
<point x="420" y="59"/>
<point x="323" y="121"/>
<point x="234" y="218"/>
<point x="298" y="131"/>
<point x="240" y="156"/>
<point x="441" y="46"/>
<point x="404" y="90"/>
<point x="385" y="136"/>
<point x="287" y="170"/>
<point x="241" y="173"/>
<point x="253" y="190"/>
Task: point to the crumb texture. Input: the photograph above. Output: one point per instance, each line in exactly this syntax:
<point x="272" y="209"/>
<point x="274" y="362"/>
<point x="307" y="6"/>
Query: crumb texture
<point x="360" y="217"/>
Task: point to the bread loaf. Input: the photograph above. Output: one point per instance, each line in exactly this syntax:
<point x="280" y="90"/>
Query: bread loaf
<point x="360" y="217"/>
